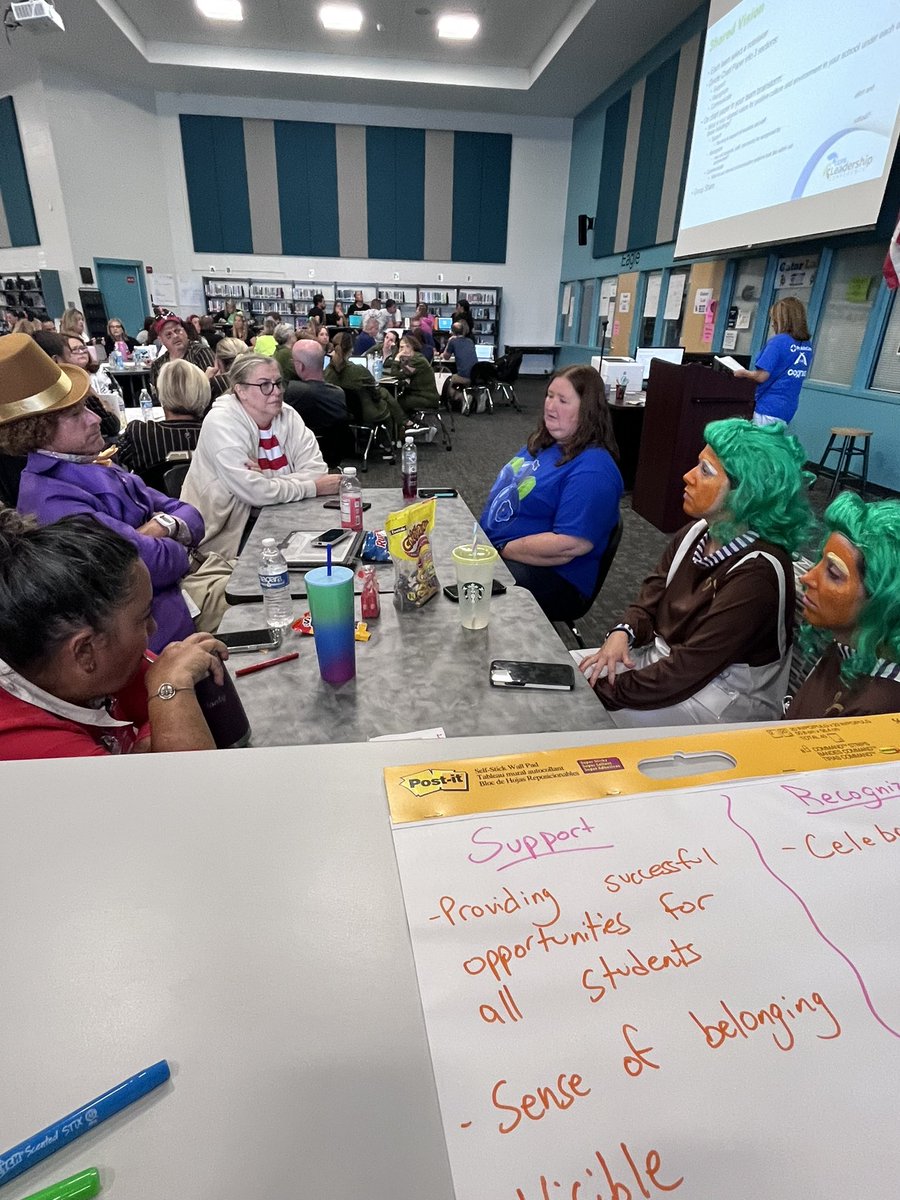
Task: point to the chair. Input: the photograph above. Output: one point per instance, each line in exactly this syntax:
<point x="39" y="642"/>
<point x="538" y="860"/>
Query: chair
<point x="432" y="418"/>
<point x="603" y="567"/>
<point x="508" y="368"/>
<point x="481" y="381"/>
<point x="379" y="433"/>
<point x="847" y="450"/>
<point x="173" y="479"/>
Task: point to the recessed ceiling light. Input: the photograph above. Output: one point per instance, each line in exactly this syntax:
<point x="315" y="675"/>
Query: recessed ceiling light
<point x="346" y="17"/>
<point x="460" y="26"/>
<point x="221" y="10"/>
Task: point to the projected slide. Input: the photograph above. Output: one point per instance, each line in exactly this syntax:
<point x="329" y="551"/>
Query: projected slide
<point x="796" y="121"/>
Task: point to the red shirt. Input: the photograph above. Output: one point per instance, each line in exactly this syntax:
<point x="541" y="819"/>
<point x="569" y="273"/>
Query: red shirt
<point x="46" y="727"/>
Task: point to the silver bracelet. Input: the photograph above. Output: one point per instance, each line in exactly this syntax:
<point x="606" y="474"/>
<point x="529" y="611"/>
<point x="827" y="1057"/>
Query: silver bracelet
<point x="623" y="628"/>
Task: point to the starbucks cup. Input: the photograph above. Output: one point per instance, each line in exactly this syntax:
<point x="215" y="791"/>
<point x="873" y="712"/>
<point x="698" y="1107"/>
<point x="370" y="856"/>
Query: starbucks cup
<point x="474" y="576"/>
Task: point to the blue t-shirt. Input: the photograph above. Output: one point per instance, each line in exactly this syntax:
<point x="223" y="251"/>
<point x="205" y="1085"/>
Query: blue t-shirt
<point x="364" y="342"/>
<point x="463" y="350"/>
<point x="581" y="498"/>
<point x="788" y="361"/>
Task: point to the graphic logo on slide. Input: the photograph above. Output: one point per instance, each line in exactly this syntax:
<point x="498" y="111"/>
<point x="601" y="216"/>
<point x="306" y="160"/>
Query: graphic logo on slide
<point x="848" y="156"/>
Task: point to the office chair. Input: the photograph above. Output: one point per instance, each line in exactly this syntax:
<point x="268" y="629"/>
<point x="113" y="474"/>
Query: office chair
<point x="173" y="479"/>
<point x="603" y="567"/>
<point x="481" y="381"/>
<point x="378" y="434"/>
<point x="508" y="368"/>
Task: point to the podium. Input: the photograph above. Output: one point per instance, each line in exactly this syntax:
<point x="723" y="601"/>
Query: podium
<point x="681" y="401"/>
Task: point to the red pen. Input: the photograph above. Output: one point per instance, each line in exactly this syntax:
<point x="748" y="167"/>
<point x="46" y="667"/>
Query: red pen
<point x="272" y="662"/>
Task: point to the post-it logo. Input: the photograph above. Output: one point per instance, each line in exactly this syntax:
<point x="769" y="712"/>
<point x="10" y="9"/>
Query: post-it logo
<point x="430" y="780"/>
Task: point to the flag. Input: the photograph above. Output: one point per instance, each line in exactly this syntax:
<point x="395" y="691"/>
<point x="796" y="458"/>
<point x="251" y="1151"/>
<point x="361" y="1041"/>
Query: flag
<point x="891" y="268"/>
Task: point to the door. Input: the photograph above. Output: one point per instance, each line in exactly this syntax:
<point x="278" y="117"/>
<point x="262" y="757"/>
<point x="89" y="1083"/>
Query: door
<point x="122" y="285"/>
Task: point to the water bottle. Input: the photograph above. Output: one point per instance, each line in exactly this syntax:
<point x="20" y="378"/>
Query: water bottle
<point x="276" y="586"/>
<point x="351" y="500"/>
<point x="115" y="360"/>
<point x="146" y="402"/>
<point x="377" y="368"/>
<point x="409" y="467"/>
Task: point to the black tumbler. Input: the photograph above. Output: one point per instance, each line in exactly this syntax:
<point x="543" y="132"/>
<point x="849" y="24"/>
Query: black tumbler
<point x="224" y="713"/>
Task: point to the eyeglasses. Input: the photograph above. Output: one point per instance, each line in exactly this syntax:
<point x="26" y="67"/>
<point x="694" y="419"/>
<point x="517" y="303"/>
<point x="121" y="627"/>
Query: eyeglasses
<point x="268" y="386"/>
<point x="78" y="349"/>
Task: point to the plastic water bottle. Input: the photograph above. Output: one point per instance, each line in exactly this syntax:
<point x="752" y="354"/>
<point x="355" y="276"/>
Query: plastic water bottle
<point x="146" y="402"/>
<point x="409" y="468"/>
<point x="115" y="360"/>
<point x="377" y="368"/>
<point x="276" y="586"/>
<point x="351" y="500"/>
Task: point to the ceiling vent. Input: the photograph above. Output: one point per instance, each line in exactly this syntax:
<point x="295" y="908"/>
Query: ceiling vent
<point x="37" y="15"/>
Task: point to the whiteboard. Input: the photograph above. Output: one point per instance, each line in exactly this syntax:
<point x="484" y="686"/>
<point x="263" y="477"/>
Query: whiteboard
<point x="690" y="994"/>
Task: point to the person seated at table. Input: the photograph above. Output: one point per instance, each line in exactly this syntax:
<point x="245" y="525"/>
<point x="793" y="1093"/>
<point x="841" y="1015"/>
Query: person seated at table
<point x="358" y="305"/>
<point x="417" y="390"/>
<point x="366" y="340"/>
<point x="853" y="597"/>
<point x="210" y="334"/>
<point x="337" y="316"/>
<point x="115" y="333"/>
<point x="58" y="348"/>
<point x="554" y="505"/>
<point x="264" y="342"/>
<point x="709" y="636"/>
<point x="102" y="383"/>
<point x="71" y="324"/>
<point x="43" y="415"/>
<point x="318" y="309"/>
<point x="183" y="392"/>
<point x="253" y="450"/>
<point x="323" y="406"/>
<point x="176" y="344"/>
<point x="227" y="350"/>
<point x="462" y="350"/>
<point x="284" y="340"/>
<point x="76" y="616"/>
<point x="426" y="337"/>
<point x="367" y="402"/>
<point x="240" y="327"/>
<point x="425" y="318"/>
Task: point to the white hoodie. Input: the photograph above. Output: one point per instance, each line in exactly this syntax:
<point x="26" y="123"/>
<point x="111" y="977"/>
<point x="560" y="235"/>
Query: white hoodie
<point x="223" y="488"/>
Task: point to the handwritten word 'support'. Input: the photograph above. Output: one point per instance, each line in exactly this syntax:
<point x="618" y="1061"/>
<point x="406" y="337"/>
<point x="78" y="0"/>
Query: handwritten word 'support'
<point x="530" y="845"/>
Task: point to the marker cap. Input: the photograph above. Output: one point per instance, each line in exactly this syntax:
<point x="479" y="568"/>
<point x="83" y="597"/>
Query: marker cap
<point x="82" y="1186"/>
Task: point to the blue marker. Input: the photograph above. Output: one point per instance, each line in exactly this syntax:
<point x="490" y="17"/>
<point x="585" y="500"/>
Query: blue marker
<point x="35" y="1149"/>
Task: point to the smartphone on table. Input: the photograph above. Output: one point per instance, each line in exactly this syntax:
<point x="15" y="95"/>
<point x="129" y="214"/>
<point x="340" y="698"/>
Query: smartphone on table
<point x="331" y="537"/>
<point x="334" y="502"/>
<point x="451" y="591"/>
<point x="245" y="640"/>
<point x="439" y="493"/>
<point x="549" y="676"/>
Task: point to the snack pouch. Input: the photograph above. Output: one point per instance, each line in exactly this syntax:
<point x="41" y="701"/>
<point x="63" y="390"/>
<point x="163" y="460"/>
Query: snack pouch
<point x="409" y="540"/>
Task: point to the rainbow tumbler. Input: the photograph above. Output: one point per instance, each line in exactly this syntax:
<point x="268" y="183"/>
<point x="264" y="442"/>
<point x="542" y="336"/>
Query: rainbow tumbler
<point x="331" y="608"/>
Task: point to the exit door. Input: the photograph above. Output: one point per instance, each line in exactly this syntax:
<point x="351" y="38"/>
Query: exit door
<point x="124" y="291"/>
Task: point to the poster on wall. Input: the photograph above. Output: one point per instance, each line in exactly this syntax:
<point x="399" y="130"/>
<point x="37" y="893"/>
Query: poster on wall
<point x="651" y="299"/>
<point x="163" y="291"/>
<point x="674" y="297"/>
<point x="702" y="297"/>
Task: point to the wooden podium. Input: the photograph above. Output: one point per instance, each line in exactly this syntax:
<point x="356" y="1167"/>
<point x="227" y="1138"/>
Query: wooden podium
<point x="681" y="401"/>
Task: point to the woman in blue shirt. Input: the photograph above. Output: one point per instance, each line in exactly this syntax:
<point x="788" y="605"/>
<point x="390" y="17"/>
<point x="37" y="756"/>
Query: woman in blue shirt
<point x="554" y="505"/>
<point x="783" y="364"/>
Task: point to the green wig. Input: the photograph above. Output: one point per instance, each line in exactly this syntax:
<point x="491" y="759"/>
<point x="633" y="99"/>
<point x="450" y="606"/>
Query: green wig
<point x="764" y="464"/>
<point x="874" y="529"/>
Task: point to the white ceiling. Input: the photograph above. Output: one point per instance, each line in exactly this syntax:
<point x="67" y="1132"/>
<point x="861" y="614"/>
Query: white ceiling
<point x="533" y="57"/>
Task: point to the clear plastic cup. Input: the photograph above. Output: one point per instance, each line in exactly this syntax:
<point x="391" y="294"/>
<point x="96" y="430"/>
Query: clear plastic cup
<point x="474" y="577"/>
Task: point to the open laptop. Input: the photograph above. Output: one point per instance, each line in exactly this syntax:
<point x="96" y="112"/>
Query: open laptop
<point x="355" y="320"/>
<point x="484" y="352"/>
<point x="445" y="324"/>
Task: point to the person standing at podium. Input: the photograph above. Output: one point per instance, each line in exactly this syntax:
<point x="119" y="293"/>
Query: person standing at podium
<point x="783" y="364"/>
<point x="709" y="636"/>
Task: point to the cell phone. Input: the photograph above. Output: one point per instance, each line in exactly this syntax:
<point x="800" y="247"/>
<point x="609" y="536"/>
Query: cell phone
<point x="331" y="537"/>
<point x="551" y="676"/>
<point x="452" y="592"/>
<point x="334" y="502"/>
<point x="246" y="640"/>
<point x="439" y="493"/>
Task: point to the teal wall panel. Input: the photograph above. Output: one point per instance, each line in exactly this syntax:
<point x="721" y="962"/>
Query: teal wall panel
<point x="14" y="187"/>
<point x="306" y="158"/>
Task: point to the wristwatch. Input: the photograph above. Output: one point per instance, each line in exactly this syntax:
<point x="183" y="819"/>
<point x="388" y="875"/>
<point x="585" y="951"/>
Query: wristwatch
<point x="167" y="691"/>
<point x="169" y="524"/>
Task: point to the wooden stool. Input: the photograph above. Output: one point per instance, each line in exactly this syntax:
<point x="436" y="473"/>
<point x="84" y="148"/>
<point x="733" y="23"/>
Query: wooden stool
<point x="845" y="452"/>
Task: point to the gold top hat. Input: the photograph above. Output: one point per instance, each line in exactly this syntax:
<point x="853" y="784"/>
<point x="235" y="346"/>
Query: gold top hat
<point x="31" y="383"/>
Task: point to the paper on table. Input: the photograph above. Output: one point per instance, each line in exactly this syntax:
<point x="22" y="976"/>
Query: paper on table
<point x="414" y="735"/>
<point x="630" y="1016"/>
<point x="727" y="361"/>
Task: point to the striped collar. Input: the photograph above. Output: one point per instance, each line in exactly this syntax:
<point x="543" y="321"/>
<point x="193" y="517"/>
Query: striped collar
<point x="883" y="669"/>
<point x="741" y="542"/>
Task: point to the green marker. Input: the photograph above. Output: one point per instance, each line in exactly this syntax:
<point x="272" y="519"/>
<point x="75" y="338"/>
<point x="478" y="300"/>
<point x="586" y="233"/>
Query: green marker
<point x="82" y="1186"/>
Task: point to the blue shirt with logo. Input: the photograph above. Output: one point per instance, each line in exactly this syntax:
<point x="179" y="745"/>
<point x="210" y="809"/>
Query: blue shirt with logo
<point x="788" y="361"/>
<point x="580" y="498"/>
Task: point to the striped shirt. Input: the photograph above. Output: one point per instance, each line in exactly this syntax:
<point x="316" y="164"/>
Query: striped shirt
<point x="741" y="542"/>
<point x="883" y="669"/>
<point x="145" y="445"/>
<point x="271" y="457"/>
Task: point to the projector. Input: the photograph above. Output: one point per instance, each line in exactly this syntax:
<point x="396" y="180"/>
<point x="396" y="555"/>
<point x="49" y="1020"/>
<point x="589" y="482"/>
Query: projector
<point x="37" y="15"/>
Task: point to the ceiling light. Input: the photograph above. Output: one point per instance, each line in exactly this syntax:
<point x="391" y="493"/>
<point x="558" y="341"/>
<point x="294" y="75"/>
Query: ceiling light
<point x="459" y="26"/>
<point x="345" y="17"/>
<point x="221" y="10"/>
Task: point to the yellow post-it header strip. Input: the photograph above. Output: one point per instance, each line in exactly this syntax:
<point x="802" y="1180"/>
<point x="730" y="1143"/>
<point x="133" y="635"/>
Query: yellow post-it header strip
<point x="456" y="788"/>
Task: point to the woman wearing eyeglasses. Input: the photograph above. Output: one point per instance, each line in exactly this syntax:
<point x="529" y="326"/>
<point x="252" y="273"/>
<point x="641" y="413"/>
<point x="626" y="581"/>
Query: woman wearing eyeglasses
<point x="253" y="450"/>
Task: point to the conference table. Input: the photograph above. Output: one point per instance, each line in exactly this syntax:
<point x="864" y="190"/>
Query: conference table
<point x="454" y="524"/>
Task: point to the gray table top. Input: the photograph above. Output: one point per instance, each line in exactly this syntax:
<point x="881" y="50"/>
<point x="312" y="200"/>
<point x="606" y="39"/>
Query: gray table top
<point x="453" y="527"/>
<point x="418" y="670"/>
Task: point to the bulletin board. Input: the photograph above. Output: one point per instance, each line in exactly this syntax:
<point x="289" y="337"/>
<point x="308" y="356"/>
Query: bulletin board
<point x="684" y="988"/>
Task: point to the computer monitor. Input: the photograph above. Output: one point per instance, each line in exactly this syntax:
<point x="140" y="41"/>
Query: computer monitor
<point x="355" y="320"/>
<point x="484" y="352"/>
<point x="445" y="324"/>
<point x="644" y="355"/>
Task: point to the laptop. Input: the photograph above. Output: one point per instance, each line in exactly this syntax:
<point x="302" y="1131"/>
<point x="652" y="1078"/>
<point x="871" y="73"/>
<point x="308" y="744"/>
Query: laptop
<point x="445" y="324"/>
<point x="355" y="320"/>
<point x="484" y="352"/>
<point x="644" y="355"/>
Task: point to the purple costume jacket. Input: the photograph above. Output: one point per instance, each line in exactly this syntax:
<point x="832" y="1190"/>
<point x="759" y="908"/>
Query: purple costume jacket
<point x="54" y="487"/>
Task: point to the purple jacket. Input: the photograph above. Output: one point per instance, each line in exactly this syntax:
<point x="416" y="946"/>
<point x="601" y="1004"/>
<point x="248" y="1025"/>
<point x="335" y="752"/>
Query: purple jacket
<point x="54" y="487"/>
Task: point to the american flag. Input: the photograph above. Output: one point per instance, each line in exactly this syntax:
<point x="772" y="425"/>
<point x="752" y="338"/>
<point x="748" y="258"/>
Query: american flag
<point x="891" y="268"/>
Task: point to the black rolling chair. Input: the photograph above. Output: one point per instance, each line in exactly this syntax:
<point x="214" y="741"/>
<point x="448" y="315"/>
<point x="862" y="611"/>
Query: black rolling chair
<point x="173" y="479"/>
<point x="508" y="368"/>
<point x="602" y="571"/>
<point x="365" y="434"/>
<point x="479" y="388"/>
